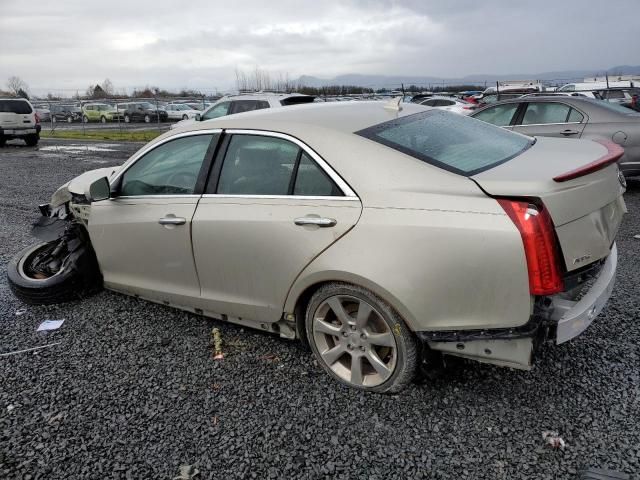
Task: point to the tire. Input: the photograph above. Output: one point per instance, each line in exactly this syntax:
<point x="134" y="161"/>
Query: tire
<point x="53" y="119"/>
<point x="69" y="119"/>
<point x="3" y="141"/>
<point x="147" y="119"/>
<point x="127" y="119"/>
<point x="103" y="119"/>
<point x="185" y="117"/>
<point x="387" y="364"/>
<point x="32" y="140"/>
<point x="85" y="119"/>
<point x="78" y="279"/>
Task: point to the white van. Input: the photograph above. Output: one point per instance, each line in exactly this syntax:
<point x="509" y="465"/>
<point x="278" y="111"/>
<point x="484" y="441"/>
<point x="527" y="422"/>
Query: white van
<point x="18" y="119"/>
<point x="591" y="86"/>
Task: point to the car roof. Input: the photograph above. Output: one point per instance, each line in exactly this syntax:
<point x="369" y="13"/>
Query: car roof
<point x="344" y="117"/>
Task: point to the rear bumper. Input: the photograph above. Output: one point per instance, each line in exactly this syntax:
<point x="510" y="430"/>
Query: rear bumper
<point x="20" y="131"/>
<point x="574" y="317"/>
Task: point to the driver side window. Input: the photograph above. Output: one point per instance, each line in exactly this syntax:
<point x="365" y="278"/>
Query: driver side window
<point x="170" y="169"/>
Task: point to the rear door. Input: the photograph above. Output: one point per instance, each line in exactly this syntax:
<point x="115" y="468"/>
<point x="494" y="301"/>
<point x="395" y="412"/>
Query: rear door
<point x="15" y="113"/>
<point x="551" y="119"/>
<point x="271" y="206"/>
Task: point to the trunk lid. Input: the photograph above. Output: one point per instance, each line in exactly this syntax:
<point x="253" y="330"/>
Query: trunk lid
<point x="586" y="211"/>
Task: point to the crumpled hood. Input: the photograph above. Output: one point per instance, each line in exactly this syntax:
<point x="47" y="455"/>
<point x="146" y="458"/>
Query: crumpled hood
<point x="80" y="184"/>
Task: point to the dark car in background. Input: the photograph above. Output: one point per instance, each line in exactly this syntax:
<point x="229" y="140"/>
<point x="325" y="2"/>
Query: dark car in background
<point x="141" y="112"/>
<point x="571" y="117"/>
<point x="66" y="113"/>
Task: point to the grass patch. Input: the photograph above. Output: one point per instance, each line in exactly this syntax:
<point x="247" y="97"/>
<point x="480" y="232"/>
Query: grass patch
<point x="115" y="135"/>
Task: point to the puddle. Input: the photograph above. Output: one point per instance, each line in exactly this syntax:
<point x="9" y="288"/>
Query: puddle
<point x="99" y="147"/>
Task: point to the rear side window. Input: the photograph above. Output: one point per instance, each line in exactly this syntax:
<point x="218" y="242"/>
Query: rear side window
<point x="452" y="142"/>
<point x="240" y="106"/>
<point x="15" y="106"/>
<point x="543" y="113"/>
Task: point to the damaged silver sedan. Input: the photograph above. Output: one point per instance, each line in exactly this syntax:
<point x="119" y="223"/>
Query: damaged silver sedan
<point x="378" y="234"/>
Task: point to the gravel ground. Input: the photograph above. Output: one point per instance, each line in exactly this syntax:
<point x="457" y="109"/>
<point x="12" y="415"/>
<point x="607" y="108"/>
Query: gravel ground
<point x="132" y="391"/>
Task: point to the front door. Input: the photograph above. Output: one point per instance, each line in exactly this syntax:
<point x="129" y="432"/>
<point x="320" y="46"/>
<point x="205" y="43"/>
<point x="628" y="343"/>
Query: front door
<point x="142" y="236"/>
<point x="270" y="208"/>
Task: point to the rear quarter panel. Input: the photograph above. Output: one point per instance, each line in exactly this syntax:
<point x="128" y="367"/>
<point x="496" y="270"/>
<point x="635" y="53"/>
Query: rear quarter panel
<point x="446" y="267"/>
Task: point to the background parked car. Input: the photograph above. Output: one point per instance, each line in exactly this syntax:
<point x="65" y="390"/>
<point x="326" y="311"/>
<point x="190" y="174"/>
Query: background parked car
<point x="571" y="117"/>
<point x="180" y="111"/>
<point x="450" y="104"/>
<point x="43" y="111"/>
<point x="98" y="112"/>
<point x="141" y="112"/>
<point x="247" y="103"/>
<point x="18" y="119"/>
<point x="66" y="113"/>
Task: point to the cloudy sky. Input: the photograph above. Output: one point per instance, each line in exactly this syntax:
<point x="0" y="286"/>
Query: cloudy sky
<point x="60" y="45"/>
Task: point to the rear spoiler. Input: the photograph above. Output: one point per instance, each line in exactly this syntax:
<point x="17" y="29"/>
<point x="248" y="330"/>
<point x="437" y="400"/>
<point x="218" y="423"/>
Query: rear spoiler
<point x="614" y="153"/>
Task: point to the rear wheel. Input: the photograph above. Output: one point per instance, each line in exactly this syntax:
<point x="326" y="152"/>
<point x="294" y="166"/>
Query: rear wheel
<point x="3" y="141"/>
<point x="69" y="119"/>
<point x="85" y="119"/>
<point x="359" y="339"/>
<point x="147" y="119"/>
<point x="31" y="140"/>
<point x="54" y="272"/>
<point x="185" y="117"/>
<point x="53" y="119"/>
<point x="103" y="119"/>
<point x="127" y="119"/>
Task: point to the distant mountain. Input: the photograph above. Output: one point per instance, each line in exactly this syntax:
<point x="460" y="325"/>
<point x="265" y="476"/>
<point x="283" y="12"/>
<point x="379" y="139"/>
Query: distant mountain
<point x="385" y="81"/>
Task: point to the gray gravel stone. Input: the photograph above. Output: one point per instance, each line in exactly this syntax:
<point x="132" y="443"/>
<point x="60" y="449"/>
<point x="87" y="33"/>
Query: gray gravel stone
<point x="114" y="400"/>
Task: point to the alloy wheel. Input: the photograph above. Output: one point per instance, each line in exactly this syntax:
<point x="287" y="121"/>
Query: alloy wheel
<point x="354" y="340"/>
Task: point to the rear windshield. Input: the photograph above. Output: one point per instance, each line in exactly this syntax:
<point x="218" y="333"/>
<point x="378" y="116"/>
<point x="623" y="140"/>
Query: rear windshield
<point x="450" y="141"/>
<point x="15" y="106"/>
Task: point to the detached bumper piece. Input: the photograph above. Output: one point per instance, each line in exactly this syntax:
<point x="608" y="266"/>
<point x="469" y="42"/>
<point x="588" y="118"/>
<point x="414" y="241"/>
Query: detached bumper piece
<point x="573" y="317"/>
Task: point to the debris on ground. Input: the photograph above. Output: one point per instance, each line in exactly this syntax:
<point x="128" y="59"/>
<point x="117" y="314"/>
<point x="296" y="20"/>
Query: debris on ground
<point x="29" y="349"/>
<point x="50" y="325"/>
<point x="165" y="341"/>
<point x="20" y="312"/>
<point x="216" y="343"/>
<point x="10" y="408"/>
<point x="187" y="472"/>
<point x="270" y="357"/>
<point x="553" y="439"/>
<point x="636" y="237"/>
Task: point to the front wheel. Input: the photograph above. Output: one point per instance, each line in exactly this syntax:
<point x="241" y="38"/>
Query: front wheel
<point x="69" y="119"/>
<point x="359" y="339"/>
<point x="85" y="119"/>
<point x="185" y="117"/>
<point x="127" y="119"/>
<point x="54" y="272"/>
<point x="53" y="119"/>
<point x="103" y="119"/>
<point x="147" y="119"/>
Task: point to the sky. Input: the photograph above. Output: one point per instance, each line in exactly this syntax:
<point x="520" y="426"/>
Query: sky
<point x="66" y="45"/>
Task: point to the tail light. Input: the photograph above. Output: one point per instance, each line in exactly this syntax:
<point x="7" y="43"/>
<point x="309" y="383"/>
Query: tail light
<point x="37" y="118"/>
<point x="540" y="245"/>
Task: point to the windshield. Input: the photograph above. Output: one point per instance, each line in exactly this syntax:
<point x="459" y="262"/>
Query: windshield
<point x="452" y="142"/>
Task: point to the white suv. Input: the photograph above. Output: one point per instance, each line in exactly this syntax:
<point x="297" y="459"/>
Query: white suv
<point x="18" y="119"/>
<point x="246" y="103"/>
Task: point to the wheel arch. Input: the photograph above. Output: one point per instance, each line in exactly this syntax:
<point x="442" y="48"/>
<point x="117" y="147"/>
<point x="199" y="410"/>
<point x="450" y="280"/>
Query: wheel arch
<point x="304" y="288"/>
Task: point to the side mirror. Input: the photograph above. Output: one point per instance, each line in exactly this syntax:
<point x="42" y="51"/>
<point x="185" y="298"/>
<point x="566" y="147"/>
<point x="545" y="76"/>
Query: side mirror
<point x="99" y="190"/>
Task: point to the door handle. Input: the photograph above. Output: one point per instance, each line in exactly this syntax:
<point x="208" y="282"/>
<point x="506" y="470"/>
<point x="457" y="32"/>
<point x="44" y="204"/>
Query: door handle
<point x="566" y="133"/>
<point x="171" y="220"/>
<point x="317" y="221"/>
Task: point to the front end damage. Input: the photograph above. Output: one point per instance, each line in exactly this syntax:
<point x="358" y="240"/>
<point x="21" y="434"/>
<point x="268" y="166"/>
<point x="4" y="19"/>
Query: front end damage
<point x="558" y="318"/>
